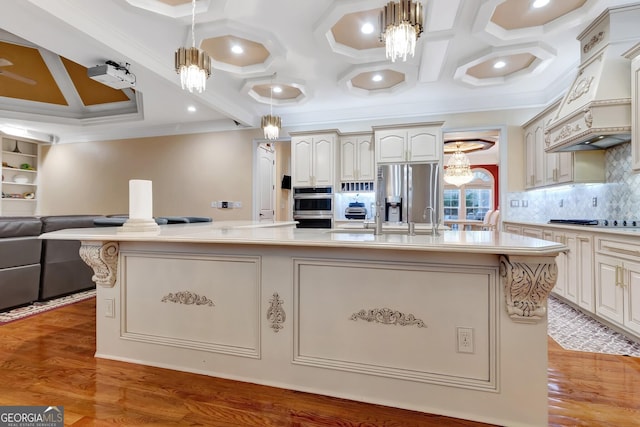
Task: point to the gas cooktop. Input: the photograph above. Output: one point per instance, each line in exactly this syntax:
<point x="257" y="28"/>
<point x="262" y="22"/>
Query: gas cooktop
<point x="620" y="223"/>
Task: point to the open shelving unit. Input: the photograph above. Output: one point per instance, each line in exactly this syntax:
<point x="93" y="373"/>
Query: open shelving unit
<point x="19" y="176"/>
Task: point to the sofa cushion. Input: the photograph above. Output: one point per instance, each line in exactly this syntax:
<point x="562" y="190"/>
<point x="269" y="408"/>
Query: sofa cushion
<point x="61" y="222"/>
<point x="19" y="226"/>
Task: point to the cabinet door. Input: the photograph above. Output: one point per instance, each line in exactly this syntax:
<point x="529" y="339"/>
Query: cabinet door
<point x="609" y="296"/>
<point x="565" y="167"/>
<point x="423" y="145"/>
<point x="572" y="273"/>
<point x="635" y="113"/>
<point x="632" y="296"/>
<point x="366" y="167"/>
<point x="586" y="291"/>
<point x="348" y="165"/>
<point x="539" y="169"/>
<point x="301" y="156"/>
<point x="515" y="229"/>
<point x="561" y="260"/>
<point x="530" y="153"/>
<point x="532" y="232"/>
<point x="390" y="146"/>
<point x="322" y="166"/>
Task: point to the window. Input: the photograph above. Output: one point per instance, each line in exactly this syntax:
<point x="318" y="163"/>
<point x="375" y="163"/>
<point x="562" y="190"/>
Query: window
<point x="472" y="200"/>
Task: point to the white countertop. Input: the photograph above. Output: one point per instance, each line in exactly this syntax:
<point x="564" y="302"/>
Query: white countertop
<point x="622" y="231"/>
<point x="285" y="234"/>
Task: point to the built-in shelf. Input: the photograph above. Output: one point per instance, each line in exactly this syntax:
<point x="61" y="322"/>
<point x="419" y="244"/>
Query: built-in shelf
<point x="19" y="162"/>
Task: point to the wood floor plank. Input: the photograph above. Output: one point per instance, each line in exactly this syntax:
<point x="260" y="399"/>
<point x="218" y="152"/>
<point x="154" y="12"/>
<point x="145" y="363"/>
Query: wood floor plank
<point x="48" y="359"/>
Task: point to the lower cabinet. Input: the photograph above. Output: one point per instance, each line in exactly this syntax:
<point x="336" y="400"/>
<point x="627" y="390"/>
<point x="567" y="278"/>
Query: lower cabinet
<point x="618" y="283"/>
<point x="600" y="273"/>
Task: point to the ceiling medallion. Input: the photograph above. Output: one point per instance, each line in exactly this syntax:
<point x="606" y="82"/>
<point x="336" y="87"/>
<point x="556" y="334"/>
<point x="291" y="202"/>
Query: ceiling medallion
<point x="400" y="27"/>
<point x="458" y="170"/>
<point x="467" y="145"/>
<point x="193" y="64"/>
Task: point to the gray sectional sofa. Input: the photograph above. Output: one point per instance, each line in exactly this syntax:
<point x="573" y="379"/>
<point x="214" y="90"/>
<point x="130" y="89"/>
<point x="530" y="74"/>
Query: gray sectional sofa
<point x="32" y="269"/>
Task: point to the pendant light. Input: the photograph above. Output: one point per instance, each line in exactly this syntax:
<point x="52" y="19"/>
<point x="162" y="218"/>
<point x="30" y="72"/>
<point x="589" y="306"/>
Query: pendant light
<point x="271" y="124"/>
<point x="193" y="64"/>
<point x="400" y="27"/>
<point x="458" y="171"/>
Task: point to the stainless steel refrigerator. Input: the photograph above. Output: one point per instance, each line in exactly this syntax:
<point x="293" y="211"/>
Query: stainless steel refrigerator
<point x="408" y="192"/>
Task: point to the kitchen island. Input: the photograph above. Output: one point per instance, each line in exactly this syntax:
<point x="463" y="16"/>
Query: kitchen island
<point x="453" y="324"/>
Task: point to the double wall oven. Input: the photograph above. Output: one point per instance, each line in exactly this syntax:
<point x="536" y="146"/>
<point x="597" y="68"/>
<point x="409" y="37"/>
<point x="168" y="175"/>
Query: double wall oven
<point x="313" y="207"/>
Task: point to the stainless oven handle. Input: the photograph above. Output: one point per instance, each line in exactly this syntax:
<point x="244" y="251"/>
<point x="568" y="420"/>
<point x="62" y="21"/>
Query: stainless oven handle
<point x="312" y="216"/>
<point x="313" y="196"/>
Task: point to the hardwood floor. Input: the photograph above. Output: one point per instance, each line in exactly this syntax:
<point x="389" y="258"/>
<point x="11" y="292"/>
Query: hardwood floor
<point x="48" y="360"/>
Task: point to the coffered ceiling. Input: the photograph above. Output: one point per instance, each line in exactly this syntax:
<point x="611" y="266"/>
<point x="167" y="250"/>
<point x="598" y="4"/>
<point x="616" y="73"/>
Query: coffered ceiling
<point x="325" y="70"/>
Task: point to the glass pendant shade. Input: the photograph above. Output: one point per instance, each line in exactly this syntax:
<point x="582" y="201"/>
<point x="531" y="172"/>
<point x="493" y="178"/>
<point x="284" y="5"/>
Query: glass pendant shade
<point x="400" y="26"/>
<point x="194" y="67"/>
<point x="458" y="171"/>
<point x="271" y="125"/>
<point x="193" y="64"/>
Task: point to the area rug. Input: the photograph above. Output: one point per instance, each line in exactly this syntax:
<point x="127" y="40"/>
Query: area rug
<point x="39" y="307"/>
<point x="574" y="330"/>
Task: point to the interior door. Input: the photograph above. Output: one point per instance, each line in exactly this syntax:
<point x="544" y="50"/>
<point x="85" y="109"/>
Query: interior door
<point x="266" y="182"/>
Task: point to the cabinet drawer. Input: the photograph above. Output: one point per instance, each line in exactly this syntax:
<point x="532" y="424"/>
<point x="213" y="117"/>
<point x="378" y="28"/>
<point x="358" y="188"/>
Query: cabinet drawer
<point x="618" y="248"/>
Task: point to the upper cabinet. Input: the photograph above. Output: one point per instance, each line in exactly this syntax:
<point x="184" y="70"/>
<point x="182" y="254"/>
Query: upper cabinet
<point x="409" y="144"/>
<point x="634" y="55"/>
<point x="546" y="169"/>
<point x="356" y="158"/>
<point x="19" y="176"/>
<point x="312" y="159"/>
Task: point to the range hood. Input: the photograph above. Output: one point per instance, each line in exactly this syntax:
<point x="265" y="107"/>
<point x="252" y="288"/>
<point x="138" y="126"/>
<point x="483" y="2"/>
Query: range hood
<point x="596" y="111"/>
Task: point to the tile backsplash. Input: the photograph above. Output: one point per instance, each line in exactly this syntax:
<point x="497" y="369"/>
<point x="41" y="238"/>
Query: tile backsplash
<point x="617" y="198"/>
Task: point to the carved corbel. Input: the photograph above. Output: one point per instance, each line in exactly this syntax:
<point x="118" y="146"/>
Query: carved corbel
<point x="102" y="257"/>
<point x="527" y="282"/>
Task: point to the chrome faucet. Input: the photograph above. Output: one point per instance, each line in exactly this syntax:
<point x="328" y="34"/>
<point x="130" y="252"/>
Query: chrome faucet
<point x="434" y="226"/>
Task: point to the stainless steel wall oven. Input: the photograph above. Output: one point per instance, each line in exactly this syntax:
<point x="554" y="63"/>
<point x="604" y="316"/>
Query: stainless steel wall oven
<point x="313" y="207"/>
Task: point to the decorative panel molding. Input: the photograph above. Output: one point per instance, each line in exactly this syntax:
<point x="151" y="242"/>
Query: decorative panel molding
<point x="275" y="313"/>
<point x="157" y="309"/>
<point x="387" y="316"/>
<point x="424" y="309"/>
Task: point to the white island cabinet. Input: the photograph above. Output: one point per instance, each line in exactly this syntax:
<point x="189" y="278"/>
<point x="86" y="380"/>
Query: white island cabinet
<point x="453" y="324"/>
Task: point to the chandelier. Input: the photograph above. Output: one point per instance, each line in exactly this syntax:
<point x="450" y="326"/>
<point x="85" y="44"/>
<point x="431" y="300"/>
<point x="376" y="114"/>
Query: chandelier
<point x="458" y="171"/>
<point x="193" y="64"/>
<point x="400" y="27"/>
<point x="271" y="124"/>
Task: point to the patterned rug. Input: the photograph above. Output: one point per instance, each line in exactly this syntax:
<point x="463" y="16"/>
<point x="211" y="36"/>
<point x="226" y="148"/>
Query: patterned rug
<point x="39" y="307"/>
<point x="574" y="330"/>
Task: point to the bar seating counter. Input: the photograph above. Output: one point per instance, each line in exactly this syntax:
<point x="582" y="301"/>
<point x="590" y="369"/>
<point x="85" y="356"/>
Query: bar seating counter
<point x="453" y="324"/>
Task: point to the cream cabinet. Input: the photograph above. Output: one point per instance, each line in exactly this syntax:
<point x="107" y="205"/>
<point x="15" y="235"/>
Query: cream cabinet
<point x="575" y="281"/>
<point x="19" y="176"/>
<point x="409" y="144"/>
<point x="534" y="152"/>
<point x="357" y="161"/>
<point x="618" y="282"/>
<point x="545" y="169"/>
<point x="313" y="159"/>
<point x="634" y="55"/>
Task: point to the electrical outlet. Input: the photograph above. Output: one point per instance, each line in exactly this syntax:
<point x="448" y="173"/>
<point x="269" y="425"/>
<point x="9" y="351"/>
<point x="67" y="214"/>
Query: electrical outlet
<point x="594" y="202"/>
<point x="465" y="340"/>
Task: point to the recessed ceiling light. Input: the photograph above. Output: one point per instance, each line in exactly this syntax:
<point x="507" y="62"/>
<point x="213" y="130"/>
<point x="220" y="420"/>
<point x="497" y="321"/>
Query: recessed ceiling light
<point x="277" y="89"/>
<point x="499" y="64"/>
<point x="377" y="77"/>
<point x="540" y="3"/>
<point x="191" y="109"/>
<point x="367" y="28"/>
<point x="236" y="48"/>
